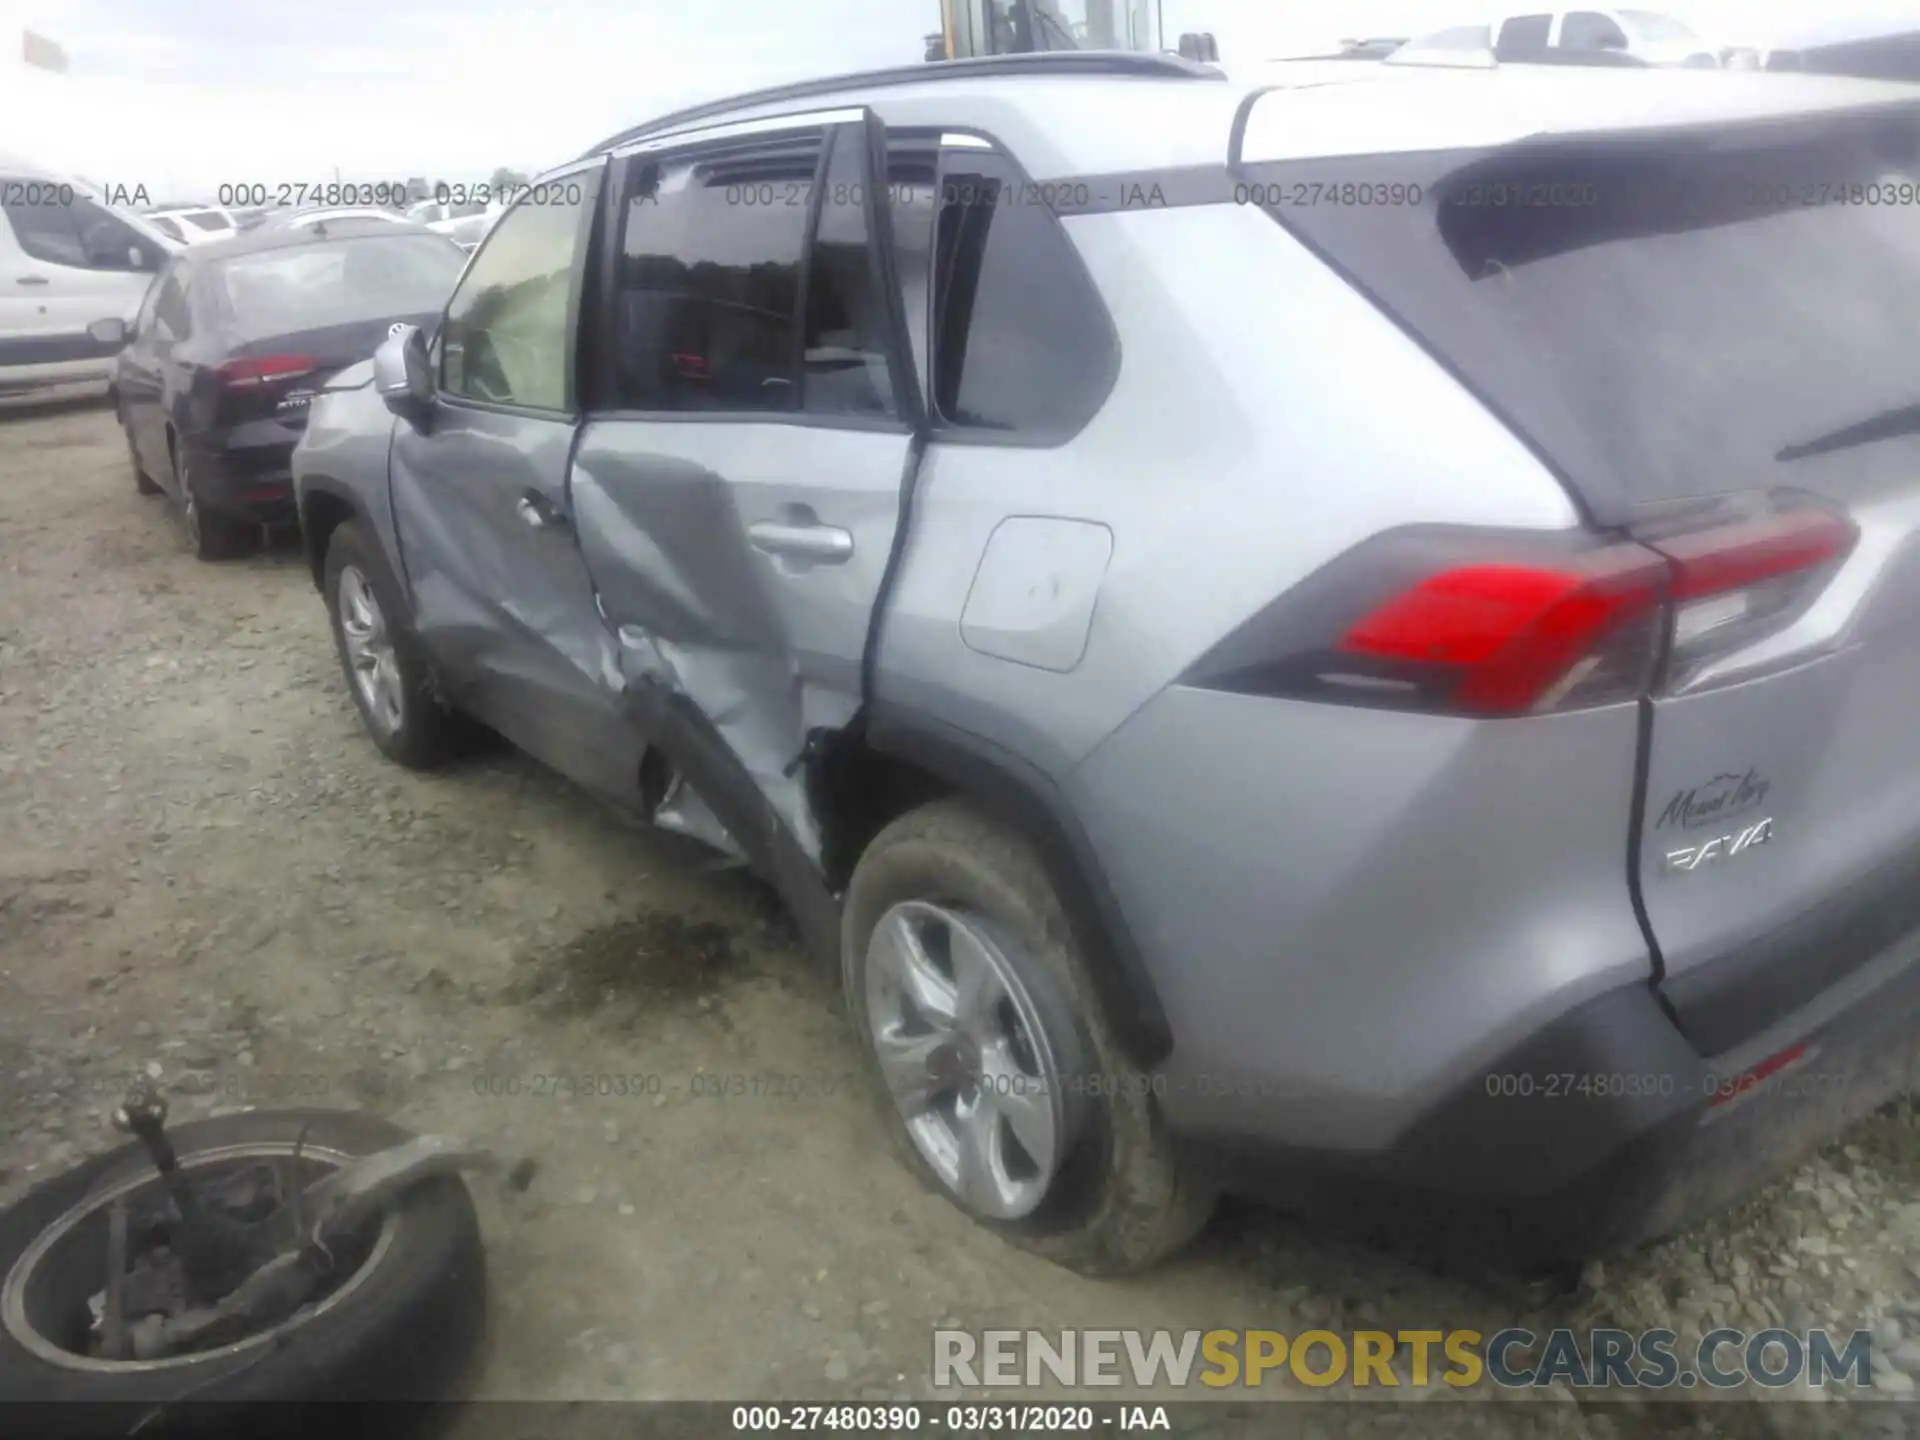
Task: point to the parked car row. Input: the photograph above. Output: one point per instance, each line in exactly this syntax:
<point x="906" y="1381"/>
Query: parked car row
<point x="1527" y="783"/>
<point x="232" y="341"/>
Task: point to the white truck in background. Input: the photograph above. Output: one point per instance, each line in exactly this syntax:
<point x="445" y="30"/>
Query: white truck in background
<point x="66" y="260"/>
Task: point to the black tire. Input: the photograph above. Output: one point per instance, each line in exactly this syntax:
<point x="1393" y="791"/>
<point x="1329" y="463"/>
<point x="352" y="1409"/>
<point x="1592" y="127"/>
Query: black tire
<point x="143" y="483"/>
<point x="427" y="734"/>
<point x="214" y="536"/>
<point x="1123" y="1198"/>
<point x="407" y="1331"/>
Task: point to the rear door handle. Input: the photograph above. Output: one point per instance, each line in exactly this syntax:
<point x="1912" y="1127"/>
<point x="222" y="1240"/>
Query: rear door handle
<point x="824" y="544"/>
<point x="33" y="280"/>
<point x="540" y="513"/>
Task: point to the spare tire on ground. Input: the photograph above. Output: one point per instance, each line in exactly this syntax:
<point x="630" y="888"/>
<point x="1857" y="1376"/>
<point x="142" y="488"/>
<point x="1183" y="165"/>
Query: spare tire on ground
<point x="400" y="1320"/>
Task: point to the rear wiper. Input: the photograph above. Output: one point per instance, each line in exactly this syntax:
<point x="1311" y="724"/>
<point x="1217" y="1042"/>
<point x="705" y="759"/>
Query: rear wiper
<point x="1887" y="425"/>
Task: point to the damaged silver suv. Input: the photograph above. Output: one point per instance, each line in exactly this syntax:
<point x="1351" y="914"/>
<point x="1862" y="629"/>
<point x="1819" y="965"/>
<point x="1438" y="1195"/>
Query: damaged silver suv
<point x="1355" y="633"/>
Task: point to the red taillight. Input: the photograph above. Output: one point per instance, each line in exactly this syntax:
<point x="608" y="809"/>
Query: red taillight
<point x="1512" y="633"/>
<point x="1736" y="582"/>
<point x="1751" y="552"/>
<point x="1488" y="623"/>
<point x="261" y="370"/>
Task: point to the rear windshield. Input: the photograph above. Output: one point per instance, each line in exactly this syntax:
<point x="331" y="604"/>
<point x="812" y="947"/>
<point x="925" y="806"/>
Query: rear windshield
<point x="1661" y="317"/>
<point x="338" y="282"/>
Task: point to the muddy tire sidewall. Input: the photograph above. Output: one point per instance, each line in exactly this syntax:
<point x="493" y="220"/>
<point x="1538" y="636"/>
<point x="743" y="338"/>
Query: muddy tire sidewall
<point x="424" y="736"/>
<point x="1122" y="1199"/>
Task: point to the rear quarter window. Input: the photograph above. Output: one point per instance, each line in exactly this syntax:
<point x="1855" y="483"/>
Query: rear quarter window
<point x="1023" y="348"/>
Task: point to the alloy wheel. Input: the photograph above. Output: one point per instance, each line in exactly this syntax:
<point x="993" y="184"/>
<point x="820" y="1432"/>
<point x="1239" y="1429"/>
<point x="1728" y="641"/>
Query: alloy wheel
<point x="370" y="651"/>
<point x="966" y="1053"/>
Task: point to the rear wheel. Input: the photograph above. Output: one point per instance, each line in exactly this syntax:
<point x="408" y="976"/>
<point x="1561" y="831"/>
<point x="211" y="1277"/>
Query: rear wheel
<point x="387" y="675"/>
<point x="213" y="535"/>
<point x="1008" y="1089"/>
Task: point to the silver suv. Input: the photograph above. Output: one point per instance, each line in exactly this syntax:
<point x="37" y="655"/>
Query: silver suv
<point x="1352" y="637"/>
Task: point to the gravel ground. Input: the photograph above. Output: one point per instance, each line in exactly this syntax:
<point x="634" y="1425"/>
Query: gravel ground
<point x="204" y="867"/>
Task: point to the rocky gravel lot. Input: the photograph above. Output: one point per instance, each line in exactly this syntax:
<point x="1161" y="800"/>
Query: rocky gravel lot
<point x="206" y="872"/>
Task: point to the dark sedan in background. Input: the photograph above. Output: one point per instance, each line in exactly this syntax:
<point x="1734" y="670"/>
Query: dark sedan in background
<point x="232" y="341"/>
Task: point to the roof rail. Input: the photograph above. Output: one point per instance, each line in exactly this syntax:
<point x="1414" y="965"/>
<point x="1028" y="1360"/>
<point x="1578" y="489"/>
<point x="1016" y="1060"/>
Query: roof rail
<point x="1109" y="63"/>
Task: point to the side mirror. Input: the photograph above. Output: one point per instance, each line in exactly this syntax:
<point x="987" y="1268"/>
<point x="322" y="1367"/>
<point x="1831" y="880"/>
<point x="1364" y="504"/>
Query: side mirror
<point x="111" y="331"/>
<point x="404" y="376"/>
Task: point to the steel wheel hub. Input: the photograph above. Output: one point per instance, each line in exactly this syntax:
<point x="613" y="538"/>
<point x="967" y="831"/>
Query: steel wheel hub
<point x="965" y="1051"/>
<point x="370" y="652"/>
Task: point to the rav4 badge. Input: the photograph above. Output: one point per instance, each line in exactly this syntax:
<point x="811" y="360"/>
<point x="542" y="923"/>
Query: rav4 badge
<point x="1688" y="858"/>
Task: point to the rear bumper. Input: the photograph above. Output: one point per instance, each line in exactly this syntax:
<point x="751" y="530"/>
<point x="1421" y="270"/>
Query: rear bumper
<point x="1605" y="1129"/>
<point x="247" y="472"/>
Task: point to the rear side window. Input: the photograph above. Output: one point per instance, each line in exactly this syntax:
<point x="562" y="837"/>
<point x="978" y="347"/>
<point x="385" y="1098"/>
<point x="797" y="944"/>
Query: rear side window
<point x="1587" y="30"/>
<point x="1523" y="35"/>
<point x="1695" y="313"/>
<point x="708" y="291"/>
<point x="172" y="316"/>
<point x="1022" y="345"/>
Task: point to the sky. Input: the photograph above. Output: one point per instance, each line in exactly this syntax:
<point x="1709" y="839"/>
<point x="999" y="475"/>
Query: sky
<point x="182" y="96"/>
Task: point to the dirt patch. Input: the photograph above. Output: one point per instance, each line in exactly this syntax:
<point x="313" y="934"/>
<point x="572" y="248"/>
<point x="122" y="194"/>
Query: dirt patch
<point x="631" y="967"/>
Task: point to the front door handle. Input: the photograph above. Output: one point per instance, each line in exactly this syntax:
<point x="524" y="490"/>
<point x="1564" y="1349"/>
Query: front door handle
<point x="540" y="513"/>
<point x="823" y="544"/>
<point x="33" y="280"/>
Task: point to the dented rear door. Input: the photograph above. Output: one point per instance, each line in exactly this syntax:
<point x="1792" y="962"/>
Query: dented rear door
<point x="738" y="482"/>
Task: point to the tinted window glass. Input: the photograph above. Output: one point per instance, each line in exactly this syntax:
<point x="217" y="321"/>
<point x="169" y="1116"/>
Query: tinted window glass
<point x="709" y="282"/>
<point x="844" y="366"/>
<point x="205" y="220"/>
<point x="340" y="282"/>
<point x="506" y="339"/>
<point x="166" y="226"/>
<point x="46" y="231"/>
<point x="1022" y="342"/>
<point x="143" y="322"/>
<point x="108" y="242"/>
<point x="1584" y="30"/>
<point x="1670" y="321"/>
<point x="171" y="315"/>
<point x="1524" y="33"/>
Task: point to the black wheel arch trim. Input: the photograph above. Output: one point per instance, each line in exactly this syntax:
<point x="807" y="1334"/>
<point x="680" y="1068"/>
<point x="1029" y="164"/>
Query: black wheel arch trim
<point x="1003" y="780"/>
<point x="316" y="555"/>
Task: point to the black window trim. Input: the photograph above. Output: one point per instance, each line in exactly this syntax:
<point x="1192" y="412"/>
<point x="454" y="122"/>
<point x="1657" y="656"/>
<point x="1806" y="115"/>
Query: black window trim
<point x="942" y="140"/>
<point x="742" y="139"/>
<point x="577" y="281"/>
